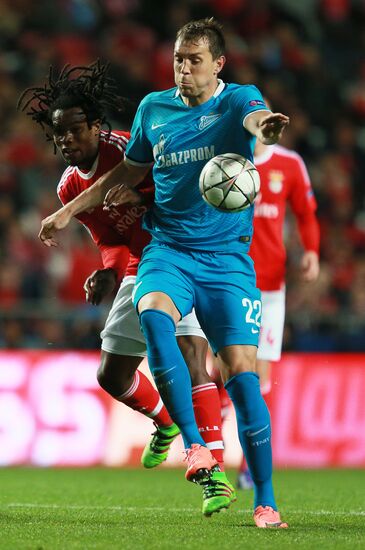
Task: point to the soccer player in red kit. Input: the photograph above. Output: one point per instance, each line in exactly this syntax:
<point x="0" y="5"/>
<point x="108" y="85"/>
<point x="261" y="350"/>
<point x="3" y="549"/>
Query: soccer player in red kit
<point x="284" y="180"/>
<point x="72" y="107"/>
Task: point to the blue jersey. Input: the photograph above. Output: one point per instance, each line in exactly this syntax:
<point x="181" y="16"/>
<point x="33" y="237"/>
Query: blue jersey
<point x="179" y="140"/>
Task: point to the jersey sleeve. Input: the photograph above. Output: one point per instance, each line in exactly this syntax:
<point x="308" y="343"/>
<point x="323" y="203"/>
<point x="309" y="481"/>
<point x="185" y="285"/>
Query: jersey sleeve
<point x="303" y="205"/>
<point x="114" y="255"/>
<point x="139" y="151"/>
<point x="248" y="99"/>
<point x="64" y="192"/>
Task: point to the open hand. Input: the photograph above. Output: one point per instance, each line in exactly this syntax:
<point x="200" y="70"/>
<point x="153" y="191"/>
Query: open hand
<point x="272" y="127"/>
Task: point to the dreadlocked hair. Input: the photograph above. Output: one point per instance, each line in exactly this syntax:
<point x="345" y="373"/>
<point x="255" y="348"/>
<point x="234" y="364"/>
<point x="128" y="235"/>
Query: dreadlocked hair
<point x="86" y="87"/>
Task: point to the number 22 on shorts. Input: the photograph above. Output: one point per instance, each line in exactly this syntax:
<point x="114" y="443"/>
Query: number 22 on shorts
<point x="253" y="313"/>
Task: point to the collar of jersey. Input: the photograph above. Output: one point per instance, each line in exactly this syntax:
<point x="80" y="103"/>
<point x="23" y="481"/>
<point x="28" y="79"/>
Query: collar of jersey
<point x="90" y="174"/>
<point x="218" y="91"/>
<point x="265" y="156"/>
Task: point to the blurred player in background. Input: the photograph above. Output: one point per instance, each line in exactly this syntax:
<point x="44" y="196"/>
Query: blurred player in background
<point x="198" y="255"/>
<point x="72" y="109"/>
<point x="284" y="180"/>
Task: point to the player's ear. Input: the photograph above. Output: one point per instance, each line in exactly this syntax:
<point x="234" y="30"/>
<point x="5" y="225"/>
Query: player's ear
<point x="96" y="127"/>
<point x="219" y="64"/>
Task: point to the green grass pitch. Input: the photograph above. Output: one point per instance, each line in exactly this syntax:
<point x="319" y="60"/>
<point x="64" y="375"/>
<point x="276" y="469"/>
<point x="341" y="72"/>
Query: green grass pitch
<point x="51" y="509"/>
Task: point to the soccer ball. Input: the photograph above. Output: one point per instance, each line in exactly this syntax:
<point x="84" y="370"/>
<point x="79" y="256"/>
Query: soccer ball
<point x="229" y="182"/>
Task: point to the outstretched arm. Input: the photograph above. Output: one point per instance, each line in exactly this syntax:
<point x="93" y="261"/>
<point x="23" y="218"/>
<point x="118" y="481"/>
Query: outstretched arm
<point x="266" y="126"/>
<point x="91" y="197"/>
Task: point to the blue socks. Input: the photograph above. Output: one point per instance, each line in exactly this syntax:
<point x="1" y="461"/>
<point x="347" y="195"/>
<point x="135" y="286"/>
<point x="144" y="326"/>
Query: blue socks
<point x="170" y="372"/>
<point x="254" y="431"/>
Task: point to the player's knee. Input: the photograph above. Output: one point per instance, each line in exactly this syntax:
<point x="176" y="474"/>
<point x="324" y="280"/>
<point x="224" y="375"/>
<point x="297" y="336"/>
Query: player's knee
<point x="263" y="370"/>
<point x="100" y="375"/>
<point x="243" y="366"/>
<point x="237" y="359"/>
<point x="113" y="376"/>
<point x="157" y="326"/>
<point x="159" y="302"/>
<point x="105" y="377"/>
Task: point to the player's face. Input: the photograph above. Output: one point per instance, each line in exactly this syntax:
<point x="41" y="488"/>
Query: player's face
<point x="77" y="142"/>
<point x="195" y="70"/>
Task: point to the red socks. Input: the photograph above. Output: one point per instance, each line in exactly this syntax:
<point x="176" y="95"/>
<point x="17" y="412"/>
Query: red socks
<point x="207" y="410"/>
<point x="143" y="397"/>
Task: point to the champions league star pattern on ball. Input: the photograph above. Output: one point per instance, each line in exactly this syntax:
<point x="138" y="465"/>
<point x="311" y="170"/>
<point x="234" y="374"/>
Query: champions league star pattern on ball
<point x="229" y="183"/>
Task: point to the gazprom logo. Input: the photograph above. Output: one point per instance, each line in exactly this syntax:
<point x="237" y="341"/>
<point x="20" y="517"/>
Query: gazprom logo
<point x="175" y="158"/>
<point x="186" y="156"/>
<point x="206" y="121"/>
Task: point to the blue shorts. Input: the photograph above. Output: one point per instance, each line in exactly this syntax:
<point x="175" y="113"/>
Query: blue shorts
<point x="221" y="287"/>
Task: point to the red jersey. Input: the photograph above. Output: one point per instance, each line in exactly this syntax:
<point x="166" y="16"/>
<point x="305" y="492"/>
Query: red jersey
<point x="117" y="232"/>
<point x="284" y="178"/>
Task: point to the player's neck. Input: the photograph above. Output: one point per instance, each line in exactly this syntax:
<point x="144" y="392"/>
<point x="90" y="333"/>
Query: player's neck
<point x="87" y="164"/>
<point x="205" y="95"/>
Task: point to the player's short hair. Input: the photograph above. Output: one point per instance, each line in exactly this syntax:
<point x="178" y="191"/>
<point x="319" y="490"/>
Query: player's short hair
<point x="86" y="87"/>
<point x="207" y="28"/>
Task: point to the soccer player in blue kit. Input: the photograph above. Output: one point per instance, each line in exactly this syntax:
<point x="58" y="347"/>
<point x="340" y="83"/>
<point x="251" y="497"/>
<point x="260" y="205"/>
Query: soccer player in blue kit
<point x="198" y="255"/>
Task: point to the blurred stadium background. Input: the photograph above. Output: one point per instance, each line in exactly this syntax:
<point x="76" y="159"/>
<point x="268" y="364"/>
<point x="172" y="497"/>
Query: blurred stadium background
<point x="308" y="58"/>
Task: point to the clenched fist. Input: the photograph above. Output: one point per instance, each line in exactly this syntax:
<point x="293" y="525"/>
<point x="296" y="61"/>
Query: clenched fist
<point x="99" y="284"/>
